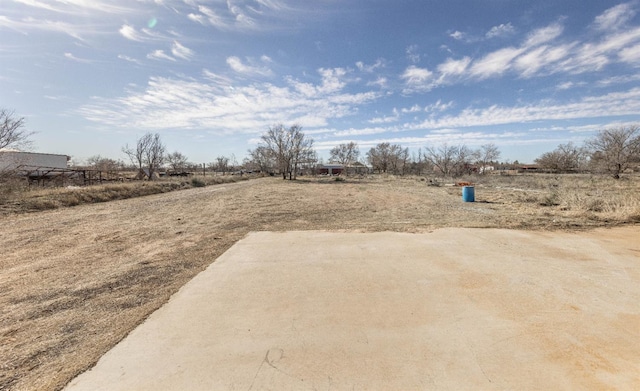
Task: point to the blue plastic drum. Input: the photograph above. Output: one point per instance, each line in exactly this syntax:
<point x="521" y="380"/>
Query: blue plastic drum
<point x="468" y="194"/>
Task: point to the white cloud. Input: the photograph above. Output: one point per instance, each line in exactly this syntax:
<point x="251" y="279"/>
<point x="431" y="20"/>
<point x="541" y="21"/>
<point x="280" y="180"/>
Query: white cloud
<point x="29" y="24"/>
<point x="197" y="18"/>
<point x="413" y="109"/>
<point x="618" y="80"/>
<point x="380" y="63"/>
<point x="159" y="55"/>
<point x="180" y="51"/>
<point x="246" y="69"/>
<point x="215" y="104"/>
<point x="70" y="56"/>
<point x="458" y="35"/>
<point x="386" y="119"/>
<point x="452" y="69"/>
<point x="495" y="63"/>
<point x="569" y="84"/>
<point x="332" y="80"/>
<point x="129" y="32"/>
<point x="615" y="18"/>
<point x="412" y="54"/>
<point x="77" y="7"/>
<point x="417" y="79"/>
<point x="544" y="35"/>
<point x="127" y="58"/>
<point x="381" y="82"/>
<point x="631" y="55"/>
<point x="608" y="105"/>
<point x="613" y="104"/>
<point x="500" y="31"/>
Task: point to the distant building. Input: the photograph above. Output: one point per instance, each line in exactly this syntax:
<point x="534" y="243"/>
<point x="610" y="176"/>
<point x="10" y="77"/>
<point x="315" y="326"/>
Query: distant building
<point x="330" y="169"/>
<point x="30" y="161"/>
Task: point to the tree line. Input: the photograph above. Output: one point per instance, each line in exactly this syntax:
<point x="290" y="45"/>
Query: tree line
<point x="611" y="151"/>
<point x="288" y="151"/>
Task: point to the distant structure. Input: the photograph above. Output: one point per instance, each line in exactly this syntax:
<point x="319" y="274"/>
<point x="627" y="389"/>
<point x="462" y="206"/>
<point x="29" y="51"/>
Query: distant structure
<point x="30" y="161"/>
<point x="36" y="167"/>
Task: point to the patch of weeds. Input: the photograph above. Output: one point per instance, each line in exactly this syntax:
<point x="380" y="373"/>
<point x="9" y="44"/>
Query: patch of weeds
<point x="339" y="179"/>
<point x="197" y="182"/>
<point x="596" y="205"/>
<point x="551" y="199"/>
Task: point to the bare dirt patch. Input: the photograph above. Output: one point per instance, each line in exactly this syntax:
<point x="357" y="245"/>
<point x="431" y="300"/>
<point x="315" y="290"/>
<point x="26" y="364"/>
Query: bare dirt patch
<point x="74" y="281"/>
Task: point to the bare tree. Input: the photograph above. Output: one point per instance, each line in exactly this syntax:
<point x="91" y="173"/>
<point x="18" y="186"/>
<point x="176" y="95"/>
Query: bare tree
<point x="222" y="164"/>
<point x="288" y="148"/>
<point x="177" y="161"/>
<point x="487" y="154"/>
<point x="148" y="154"/>
<point x="301" y="149"/>
<point x="345" y="153"/>
<point x="100" y="163"/>
<point x="12" y="130"/>
<point x="380" y="157"/>
<point x="261" y="159"/>
<point x="615" y="150"/>
<point x="450" y="160"/>
<point x="565" y="158"/>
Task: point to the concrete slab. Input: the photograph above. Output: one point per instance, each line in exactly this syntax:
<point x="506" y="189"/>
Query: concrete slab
<point x="448" y="310"/>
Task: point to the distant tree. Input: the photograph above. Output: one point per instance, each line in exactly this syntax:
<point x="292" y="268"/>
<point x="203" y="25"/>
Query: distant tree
<point x="261" y="159"/>
<point x="566" y="157"/>
<point x="289" y="147"/>
<point x="100" y="163"/>
<point x="487" y="154"/>
<point x="149" y="154"/>
<point x="615" y="150"/>
<point x="450" y="160"/>
<point x="386" y="157"/>
<point x="222" y="164"/>
<point x="345" y="153"/>
<point x="380" y="157"/>
<point x="12" y="130"/>
<point x="177" y="161"/>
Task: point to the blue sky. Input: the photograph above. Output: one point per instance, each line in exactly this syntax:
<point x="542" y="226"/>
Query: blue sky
<point x="211" y="76"/>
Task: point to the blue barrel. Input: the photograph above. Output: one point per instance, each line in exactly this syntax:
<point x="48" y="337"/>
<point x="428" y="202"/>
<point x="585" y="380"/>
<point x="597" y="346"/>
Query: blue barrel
<point x="468" y="194"/>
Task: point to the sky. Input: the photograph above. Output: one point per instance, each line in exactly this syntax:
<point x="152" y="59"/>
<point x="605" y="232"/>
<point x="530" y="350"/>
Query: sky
<point x="211" y="76"/>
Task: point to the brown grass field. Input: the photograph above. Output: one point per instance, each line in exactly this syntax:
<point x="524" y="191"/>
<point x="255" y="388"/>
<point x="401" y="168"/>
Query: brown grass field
<point x="74" y="280"/>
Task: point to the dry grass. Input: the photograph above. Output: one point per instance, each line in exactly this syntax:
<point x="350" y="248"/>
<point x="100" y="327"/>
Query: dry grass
<point x="15" y="197"/>
<point x="74" y="281"/>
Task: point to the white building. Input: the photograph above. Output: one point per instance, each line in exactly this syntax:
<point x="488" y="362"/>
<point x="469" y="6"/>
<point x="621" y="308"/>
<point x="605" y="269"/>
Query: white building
<point x="30" y="161"/>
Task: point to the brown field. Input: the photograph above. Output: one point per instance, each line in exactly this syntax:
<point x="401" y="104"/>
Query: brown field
<point x="75" y="280"/>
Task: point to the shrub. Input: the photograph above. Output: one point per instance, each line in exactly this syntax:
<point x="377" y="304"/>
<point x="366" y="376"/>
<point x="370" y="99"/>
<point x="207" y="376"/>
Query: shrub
<point x="197" y="182"/>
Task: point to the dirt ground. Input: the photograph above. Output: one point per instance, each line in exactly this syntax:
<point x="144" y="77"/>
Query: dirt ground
<point x="75" y="281"/>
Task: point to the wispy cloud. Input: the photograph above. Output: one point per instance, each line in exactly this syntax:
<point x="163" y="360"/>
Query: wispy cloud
<point x="74" y="7"/>
<point x="413" y="55"/>
<point x="494" y="64"/>
<point x="129" y="59"/>
<point x="439" y="115"/>
<point x="129" y="32"/>
<point x="417" y="79"/>
<point x="239" y="15"/>
<point x="217" y="104"/>
<point x="70" y="56"/>
<point x="160" y="55"/>
<point x="180" y="51"/>
<point x="542" y="52"/>
<point x="500" y="31"/>
<point x="615" y="18"/>
<point x="238" y="66"/>
<point x="380" y="63"/>
<point x="30" y="24"/>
